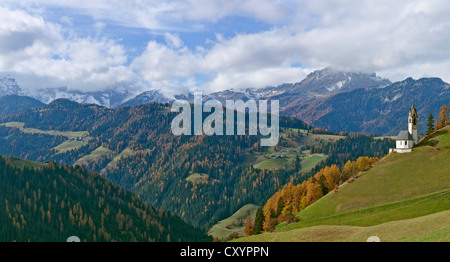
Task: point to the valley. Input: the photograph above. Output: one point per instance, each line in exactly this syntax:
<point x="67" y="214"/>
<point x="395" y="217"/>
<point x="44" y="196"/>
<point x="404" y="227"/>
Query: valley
<point x="201" y="179"/>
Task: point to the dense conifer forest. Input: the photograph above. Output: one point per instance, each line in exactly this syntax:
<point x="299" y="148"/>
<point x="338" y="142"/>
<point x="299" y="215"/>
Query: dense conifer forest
<point x="52" y="203"/>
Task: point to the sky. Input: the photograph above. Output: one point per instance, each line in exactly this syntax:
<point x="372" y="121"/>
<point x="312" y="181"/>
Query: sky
<point x="207" y="45"/>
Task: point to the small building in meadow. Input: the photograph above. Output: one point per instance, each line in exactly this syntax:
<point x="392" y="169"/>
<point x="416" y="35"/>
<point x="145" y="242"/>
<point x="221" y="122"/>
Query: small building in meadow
<point x="407" y="139"/>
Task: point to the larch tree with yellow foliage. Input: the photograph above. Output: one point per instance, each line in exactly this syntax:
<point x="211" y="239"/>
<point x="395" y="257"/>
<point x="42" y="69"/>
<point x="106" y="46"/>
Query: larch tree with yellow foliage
<point x="443" y="120"/>
<point x="291" y="199"/>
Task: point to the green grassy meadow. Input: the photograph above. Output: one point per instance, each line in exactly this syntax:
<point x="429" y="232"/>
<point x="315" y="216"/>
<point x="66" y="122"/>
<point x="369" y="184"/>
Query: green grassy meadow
<point x="404" y="197"/>
<point x="430" y="228"/>
<point x="234" y="223"/>
<point x="68" y="134"/>
<point x="76" y="139"/>
<point x="125" y="153"/>
<point x="97" y="153"/>
<point x="291" y="149"/>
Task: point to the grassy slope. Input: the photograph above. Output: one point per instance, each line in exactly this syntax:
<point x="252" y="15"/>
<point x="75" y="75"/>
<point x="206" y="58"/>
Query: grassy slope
<point x="444" y="138"/>
<point x="67" y="134"/>
<point x="125" y="153"/>
<point x="294" y="148"/>
<point x="434" y="227"/>
<point x="273" y="163"/>
<point x="197" y="178"/>
<point x="97" y="153"/>
<point x="398" y="177"/>
<point x="70" y="145"/>
<point x="227" y="227"/>
<point x="310" y="162"/>
<point x="21" y="163"/>
<point x="374" y="215"/>
<point x="400" y="187"/>
<point x="62" y="148"/>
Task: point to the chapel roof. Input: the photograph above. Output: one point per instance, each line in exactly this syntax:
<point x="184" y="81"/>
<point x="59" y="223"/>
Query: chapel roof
<point x="404" y="135"/>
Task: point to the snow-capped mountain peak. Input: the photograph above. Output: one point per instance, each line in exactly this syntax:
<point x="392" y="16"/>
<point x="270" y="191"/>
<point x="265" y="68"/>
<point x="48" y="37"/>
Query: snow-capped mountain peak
<point x="151" y="96"/>
<point x="9" y="86"/>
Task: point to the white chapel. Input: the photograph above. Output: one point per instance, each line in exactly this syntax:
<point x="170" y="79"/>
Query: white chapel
<point x="407" y="139"/>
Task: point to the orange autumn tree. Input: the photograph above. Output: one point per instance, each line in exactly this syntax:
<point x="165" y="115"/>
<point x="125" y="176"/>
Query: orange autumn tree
<point x="443" y="120"/>
<point x="249" y="227"/>
<point x="349" y="170"/>
<point x="291" y="199"/>
<point x="313" y="191"/>
<point x="331" y="175"/>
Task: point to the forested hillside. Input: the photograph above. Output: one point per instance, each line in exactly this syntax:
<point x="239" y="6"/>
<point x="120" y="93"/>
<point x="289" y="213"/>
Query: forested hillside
<point x="13" y="103"/>
<point x="203" y="179"/>
<point x="52" y="203"/>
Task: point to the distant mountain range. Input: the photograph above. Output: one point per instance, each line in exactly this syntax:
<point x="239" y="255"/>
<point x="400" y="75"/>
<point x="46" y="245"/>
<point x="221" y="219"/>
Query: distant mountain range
<point x="13" y="103"/>
<point x="375" y="110"/>
<point x="353" y="102"/>
<point x="317" y="84"/>
<point x="109" y="98"/>
<point x="9" y="86"/>
<point x="152" y="96"/>
<point x="327" y="98"/>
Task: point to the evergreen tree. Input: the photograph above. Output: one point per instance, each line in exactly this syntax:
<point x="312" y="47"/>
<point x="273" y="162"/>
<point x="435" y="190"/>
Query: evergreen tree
<point x="297" y="163"/>
<point x="280" y="206"/>
<point x="430" y="124"/>
<point x="259" y="221"/>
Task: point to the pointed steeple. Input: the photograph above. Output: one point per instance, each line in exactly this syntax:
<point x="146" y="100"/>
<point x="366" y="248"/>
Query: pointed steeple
<point x="413" y="110"/>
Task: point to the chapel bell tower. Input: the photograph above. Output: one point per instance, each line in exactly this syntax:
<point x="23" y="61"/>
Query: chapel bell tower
<point x="413" y="121"/>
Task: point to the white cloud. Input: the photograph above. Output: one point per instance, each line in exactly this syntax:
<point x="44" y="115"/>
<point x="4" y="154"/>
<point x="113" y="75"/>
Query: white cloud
<point x="257" y="78"/>
<point x="241" y="62"/>
<point x="66" y="20"/>
<point x="173" y="40"/>
<point x="263" y="10"/>
<point x="39" y="54"/>
<point x="366" y="38"/>
<point x="159" y="62"/>
<point x="19" y="31"/>
<point x="397" y="39"/>
<point x="163" y="15"/>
